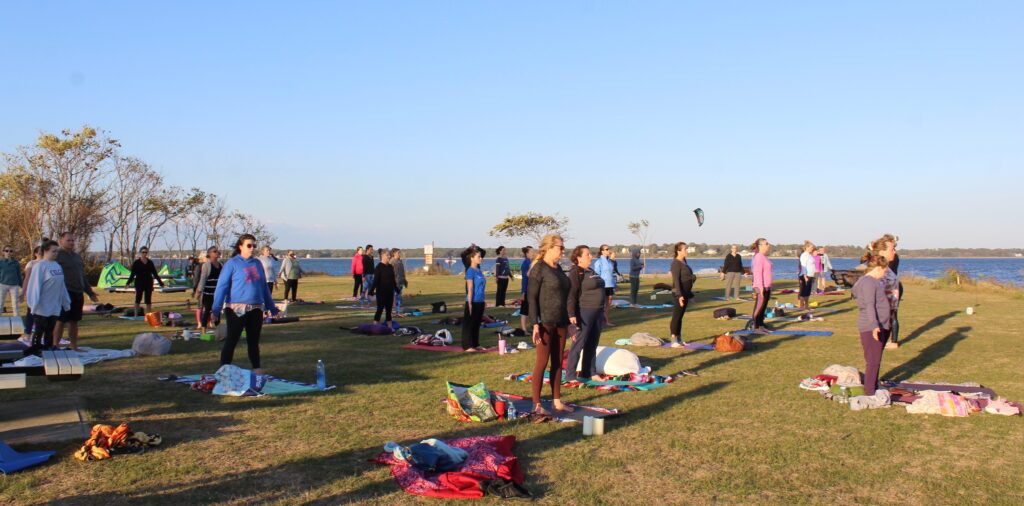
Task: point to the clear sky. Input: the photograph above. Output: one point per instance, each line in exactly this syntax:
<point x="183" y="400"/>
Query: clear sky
<point x="402" y="123"/>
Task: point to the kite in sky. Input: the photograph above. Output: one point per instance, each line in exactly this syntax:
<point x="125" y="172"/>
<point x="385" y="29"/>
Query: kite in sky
<point x="700" y="216"/>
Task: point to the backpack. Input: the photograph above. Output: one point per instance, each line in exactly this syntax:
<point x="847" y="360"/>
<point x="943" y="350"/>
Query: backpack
<point x="724" y="313"/>
<point x="726" y="343"/>
<point x="645" y="339"/>
<point x="438" y="307"/>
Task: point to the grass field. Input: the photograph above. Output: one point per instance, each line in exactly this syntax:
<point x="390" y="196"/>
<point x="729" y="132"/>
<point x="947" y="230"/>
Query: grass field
<point x="741" y="432"/>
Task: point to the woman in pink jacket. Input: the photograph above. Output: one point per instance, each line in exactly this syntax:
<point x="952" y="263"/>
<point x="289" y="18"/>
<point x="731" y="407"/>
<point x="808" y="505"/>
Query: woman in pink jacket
<point x="357" y="272"/>
<point x="761" y="269"/>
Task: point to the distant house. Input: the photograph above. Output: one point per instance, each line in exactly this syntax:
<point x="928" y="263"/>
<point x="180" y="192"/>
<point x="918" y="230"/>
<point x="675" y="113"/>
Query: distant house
<point x="745" y="253"/>
<point x="711" y="251"/>
<point x="624" y="251"/>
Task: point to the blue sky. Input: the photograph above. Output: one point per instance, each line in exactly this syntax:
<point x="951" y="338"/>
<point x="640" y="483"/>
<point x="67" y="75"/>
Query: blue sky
<point x="403" y="123"/>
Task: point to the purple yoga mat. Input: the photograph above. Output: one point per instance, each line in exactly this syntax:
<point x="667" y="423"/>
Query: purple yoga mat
<point x="15" y="346"/>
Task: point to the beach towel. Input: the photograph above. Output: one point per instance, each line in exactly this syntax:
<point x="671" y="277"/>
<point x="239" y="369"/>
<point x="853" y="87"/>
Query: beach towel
<point x="626" y="382"/>
<point x="11" y="460"/>
<point x="273" y="385"/>
<point x="790" y="332"/>
<point x="136" y="318"/>
<point x="488" y="458"/>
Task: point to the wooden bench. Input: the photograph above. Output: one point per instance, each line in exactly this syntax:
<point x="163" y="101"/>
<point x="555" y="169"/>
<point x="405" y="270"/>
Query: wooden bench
<point x="58" y="365"/>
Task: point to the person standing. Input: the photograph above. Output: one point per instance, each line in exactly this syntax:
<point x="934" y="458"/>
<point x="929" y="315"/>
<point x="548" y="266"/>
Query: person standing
<point x="732" y="271"/>
<point x="886" y="248"/>
<point x="401" y="283"/>
<point x="143" y="274"/>
<point x="476" y="285"/>
<point x="604" y="267"/>
<point x="872" y="318"/>
<point x="191" y="266"/>
<point x="806" y="275"/>
<point x="367" y="272"/>
<point x="524" y="271"/>
<point x="636" y="266"/>
<point x="47" y="295"/>
<point x="761" y="269"/>
<point x="291" y="272"/>
<point x="682" y="292"/>
<point x="384" y="287"/>
<point x="586" y="311"/>
<point x="357" y="274"/>
<point x="548" y="295"/>
<point x="10" y="279"/>
<point x="206" y="287"/>
<point x="242" y="293"/>
<point x="78" y="288"/>
<point x="502" y="273"/>
<point x="267" y="258"/>
<point x="27" y="320"/>
<point x="826" y="269"/>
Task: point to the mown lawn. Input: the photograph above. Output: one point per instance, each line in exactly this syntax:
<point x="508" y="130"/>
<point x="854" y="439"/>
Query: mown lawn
<point x="741" y="432"/>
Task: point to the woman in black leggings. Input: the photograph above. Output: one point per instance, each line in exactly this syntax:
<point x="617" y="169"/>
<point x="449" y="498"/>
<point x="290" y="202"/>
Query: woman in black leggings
<point x="682" y="292"/>
<point x="384" y="286"/>
<point x="206" y="286"/>
<point x="143" y="274"/>
<point x="548" y="292"/>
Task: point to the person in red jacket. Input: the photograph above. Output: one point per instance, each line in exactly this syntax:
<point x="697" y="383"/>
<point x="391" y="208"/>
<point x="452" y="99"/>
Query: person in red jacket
<point x="357" y="272"/>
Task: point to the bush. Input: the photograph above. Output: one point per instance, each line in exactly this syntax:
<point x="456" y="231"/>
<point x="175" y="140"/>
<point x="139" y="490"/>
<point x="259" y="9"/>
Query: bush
<point x="434" y="269"/>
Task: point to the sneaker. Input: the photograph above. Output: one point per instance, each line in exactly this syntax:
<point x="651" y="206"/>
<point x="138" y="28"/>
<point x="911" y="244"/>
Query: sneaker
<point x="675" y="345"/>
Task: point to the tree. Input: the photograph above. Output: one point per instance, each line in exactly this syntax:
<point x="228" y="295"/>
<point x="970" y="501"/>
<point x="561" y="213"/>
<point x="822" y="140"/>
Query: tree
<point x="21" y="208"/>
<point x="216" y="220"/>
<point x="247" y="224"/>
<point x="532" y="225"/>
<point x="640" y="229"/>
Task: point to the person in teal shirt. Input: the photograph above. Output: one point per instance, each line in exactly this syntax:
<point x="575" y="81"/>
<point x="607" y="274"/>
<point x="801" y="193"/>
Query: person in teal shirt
<point x="10" y="278"/>
<point x="476" y="284"/>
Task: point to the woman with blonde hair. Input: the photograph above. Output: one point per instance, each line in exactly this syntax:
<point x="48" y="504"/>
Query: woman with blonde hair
<point x="548" y="292"/>
<point x="885" y="247"/>
<point x="761" y="270"/>
<point x="806" y="275"/>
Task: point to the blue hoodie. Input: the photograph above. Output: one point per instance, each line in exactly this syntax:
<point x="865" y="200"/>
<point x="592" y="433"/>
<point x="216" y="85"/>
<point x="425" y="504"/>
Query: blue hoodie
<point x="242" y="281"/>
<point x="604" y="268"/>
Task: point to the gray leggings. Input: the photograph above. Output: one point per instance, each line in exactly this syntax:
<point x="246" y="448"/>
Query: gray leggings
<point x="732" y="284"/>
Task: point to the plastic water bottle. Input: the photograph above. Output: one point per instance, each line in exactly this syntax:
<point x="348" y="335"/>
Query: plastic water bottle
<point x="501" y="346"/>
<point x="321" y="374"/>
<point x="510" y="413"/>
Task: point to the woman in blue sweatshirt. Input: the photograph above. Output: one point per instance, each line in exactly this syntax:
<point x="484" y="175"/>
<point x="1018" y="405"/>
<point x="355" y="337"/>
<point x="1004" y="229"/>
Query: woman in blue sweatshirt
<point x="243" y="294"/>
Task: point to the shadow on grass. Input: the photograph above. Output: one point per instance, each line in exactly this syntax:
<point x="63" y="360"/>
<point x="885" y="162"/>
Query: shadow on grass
<point x="931" y="324"/>
<point x="928" y="356"/>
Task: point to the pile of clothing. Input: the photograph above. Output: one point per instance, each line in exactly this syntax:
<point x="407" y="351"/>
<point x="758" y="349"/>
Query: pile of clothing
<point x="106" y="441"/>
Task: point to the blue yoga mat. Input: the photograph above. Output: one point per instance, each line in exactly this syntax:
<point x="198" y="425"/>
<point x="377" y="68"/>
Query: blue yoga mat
<point x="11" y="461"/>
<point x="790" y="332"/>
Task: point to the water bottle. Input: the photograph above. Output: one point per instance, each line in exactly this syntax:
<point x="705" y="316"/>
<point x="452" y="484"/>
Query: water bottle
<point x="501" y="346"/>
<point x="510" y="413"/>
<point x="321" y="375"/>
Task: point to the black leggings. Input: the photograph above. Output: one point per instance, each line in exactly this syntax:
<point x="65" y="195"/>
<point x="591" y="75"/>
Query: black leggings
<point x="385" y="299"/>
<point x="472" y="315"/>
<point x="144" y="293"/>
<point x="42" y="334"/>
<point x="805" y="286"/>
<point x="675" y="327"/>
<point x="293" y="285"/>
<point x="207" y="312"/>
<point x="252" y="323"/>
<point x="760" y="305"/>
<point x="499" y="297"/>
<point x="358" y="279"/>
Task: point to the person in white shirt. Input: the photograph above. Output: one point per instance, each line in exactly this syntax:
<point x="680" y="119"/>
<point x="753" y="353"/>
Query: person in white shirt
<point x="807" y="272"/>
<point x="47" y="295"/>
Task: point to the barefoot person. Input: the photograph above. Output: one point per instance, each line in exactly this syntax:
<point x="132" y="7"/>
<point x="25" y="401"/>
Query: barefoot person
<point x="604" y="267"/>
<point x="206" y="288"/>
<point x="761" y="270"/>
<point x="476" y="285"/>
<point x="548" y="293"/>
<point x="78" y="288"/>
<point x="682" y="292"/>
<point x="142" y="276"/>
<point x="806" y="275"/>
<point x="242" y="293"/>
<point x="524" y="271"/>
<point x="732" y="271"/>
<point x="47" y="296"/>
<point x="872" y="318"/>
<point x="586" y="311"/>
<point x="886" y="247"/>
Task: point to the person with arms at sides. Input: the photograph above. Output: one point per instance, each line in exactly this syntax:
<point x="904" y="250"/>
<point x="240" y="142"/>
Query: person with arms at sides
<point x="604" y="267"/>
<point x="401" y="282"/>
<point x="502" y="273"/>
<point x="806" y="275"/>
<point x="242" y="293"/>
<point x="143" y="274"/>
<point x="384" y="287"/>
<point x="524" y="271"/>
<point x="368" y="266"/>
<point x="586" y="311"/>
<point x="885" y="247"/>
<point x="636" y="266"/>
<point x="78" y="288"/>
<point x="291" y="272"/>
<point x="357" y="274"/>
<point x="732" y="271"/>
<point x="548" y="295"/>
<point x="761" y="270"/>
<point x="47" y="296"/>
<point x="27" y="320"/>
<point x="682" y="292"/>
<point x="476" y="285"/>
<point x="10" y="279"/>
<point x="267" y="259"/>
<point x="191" y="266"/>
<point x="206" y="288"/>
<point x="872" y="318"/>
<point x="826" y="268"/>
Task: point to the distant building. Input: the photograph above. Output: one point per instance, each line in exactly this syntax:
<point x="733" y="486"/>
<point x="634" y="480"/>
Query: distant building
<point x="624" y="251"/>
<point x="745" y="253"/>
<point x="711" y="251"/>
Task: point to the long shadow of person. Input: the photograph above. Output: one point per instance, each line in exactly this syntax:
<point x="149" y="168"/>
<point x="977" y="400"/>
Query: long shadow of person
<point x="931" y="324"/>
<point x="928" y="356"/>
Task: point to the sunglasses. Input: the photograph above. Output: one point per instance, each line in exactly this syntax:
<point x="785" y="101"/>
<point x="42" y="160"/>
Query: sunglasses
<point x="8" y="251"/>
<point x="144" y="252"/>
<point x="249" y="246"/>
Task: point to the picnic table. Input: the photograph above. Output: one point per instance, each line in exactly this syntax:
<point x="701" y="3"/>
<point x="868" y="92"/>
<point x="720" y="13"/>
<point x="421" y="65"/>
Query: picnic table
<point x="58" y="365"/>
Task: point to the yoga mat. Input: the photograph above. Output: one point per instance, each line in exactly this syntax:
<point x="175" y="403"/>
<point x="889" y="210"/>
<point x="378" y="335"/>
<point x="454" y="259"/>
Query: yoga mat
<point x="917" y="387"/>
<point x="287" y="319"/>
<point x="649" y="306"/>
<point x="731" y="300"/>
<point x="693" y="346"/>
<point x="136" y="318"/>
<point x="274" y="386"/>
<point x="443" y="348"/>
<point x="11" y="460"/>
<point x="789" y="332"/>
<point x="356" y="307"/>
<point x="524" y="405"/>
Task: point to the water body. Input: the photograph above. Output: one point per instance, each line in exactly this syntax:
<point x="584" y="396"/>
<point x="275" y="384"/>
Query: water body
<point x="1002" y="269"/>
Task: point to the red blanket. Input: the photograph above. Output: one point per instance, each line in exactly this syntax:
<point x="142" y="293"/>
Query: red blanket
<point x="489" y="457"/>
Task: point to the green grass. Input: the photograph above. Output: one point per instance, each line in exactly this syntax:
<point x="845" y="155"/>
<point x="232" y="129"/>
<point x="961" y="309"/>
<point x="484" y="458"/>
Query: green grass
<point x="741" y="432"/>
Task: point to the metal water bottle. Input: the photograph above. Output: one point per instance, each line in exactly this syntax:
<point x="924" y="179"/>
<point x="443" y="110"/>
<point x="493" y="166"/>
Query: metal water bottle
<point x="321" y="374"/>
